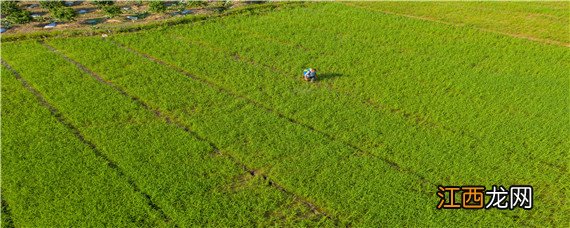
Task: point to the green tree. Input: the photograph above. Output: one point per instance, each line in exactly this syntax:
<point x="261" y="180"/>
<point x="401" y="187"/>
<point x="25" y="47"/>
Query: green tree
<point x="63" y="13"/>
<point x="8" y="7"/>
<point x="102" y="3"/>
<point x="157" y="6"/>
<point x="19" y="17"/>
<point x="51" y="4"/>
<point x="111" y="10"/>
<point x="199" y="3"/>
<point x="13" y="14"/>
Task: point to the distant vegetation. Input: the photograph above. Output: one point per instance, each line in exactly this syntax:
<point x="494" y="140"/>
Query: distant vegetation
<point x="13" y="14"/>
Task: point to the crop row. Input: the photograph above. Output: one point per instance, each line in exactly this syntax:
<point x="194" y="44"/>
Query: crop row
<point x="354" y="187"/>
<point x="496" y="98"/>
<point x="335" y="119"/>
<point x="172" y="121"/>
<point x="513" y="101"/>
<point x="521" y="141"/>
<point x="497" y="123"/>
<point x="51" y="178"/>
<point x="518" y="86"/>
<point x="499" y="101"/>
<point x="180" y="173"/>
<point x="536" y="117"/>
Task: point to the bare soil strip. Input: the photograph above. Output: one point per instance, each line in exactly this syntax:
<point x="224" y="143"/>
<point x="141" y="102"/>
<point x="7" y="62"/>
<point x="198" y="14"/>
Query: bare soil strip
<point x="59" y="116"/>
<point x="314" y="208"/>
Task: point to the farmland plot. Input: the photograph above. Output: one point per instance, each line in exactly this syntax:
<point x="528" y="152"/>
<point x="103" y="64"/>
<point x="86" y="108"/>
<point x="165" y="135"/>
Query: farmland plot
<point x="119" y="128"/>
<point x="51" y="176"/>
<point x="402" y="105"/>
<point x="300" y="158"/>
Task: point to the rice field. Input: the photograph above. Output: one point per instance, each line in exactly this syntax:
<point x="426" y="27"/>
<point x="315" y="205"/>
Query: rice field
<point x="209" y="123"/>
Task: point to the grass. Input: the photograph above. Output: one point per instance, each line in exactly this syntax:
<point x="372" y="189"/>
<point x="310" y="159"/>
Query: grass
<point x="542" y="21"/>
<point x="270" y="144"/>
<point x="55" y="179"/>
<point x="194" y="190"/>
<point x="402" y="105"/>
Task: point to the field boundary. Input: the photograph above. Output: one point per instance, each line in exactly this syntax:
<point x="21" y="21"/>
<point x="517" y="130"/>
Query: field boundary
<point x="518" y="36"/>
<point x="249" y="9"/>
<point x="75" y="131"/>
<point x="312" y="206"/>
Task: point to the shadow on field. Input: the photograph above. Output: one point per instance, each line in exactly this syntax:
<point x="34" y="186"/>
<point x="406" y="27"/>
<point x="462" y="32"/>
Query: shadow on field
<point x="326" y="76"/>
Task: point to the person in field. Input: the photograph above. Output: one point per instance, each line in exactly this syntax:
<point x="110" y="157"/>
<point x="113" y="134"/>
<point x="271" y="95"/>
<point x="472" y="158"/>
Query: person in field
<point x="310" y="74"/>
